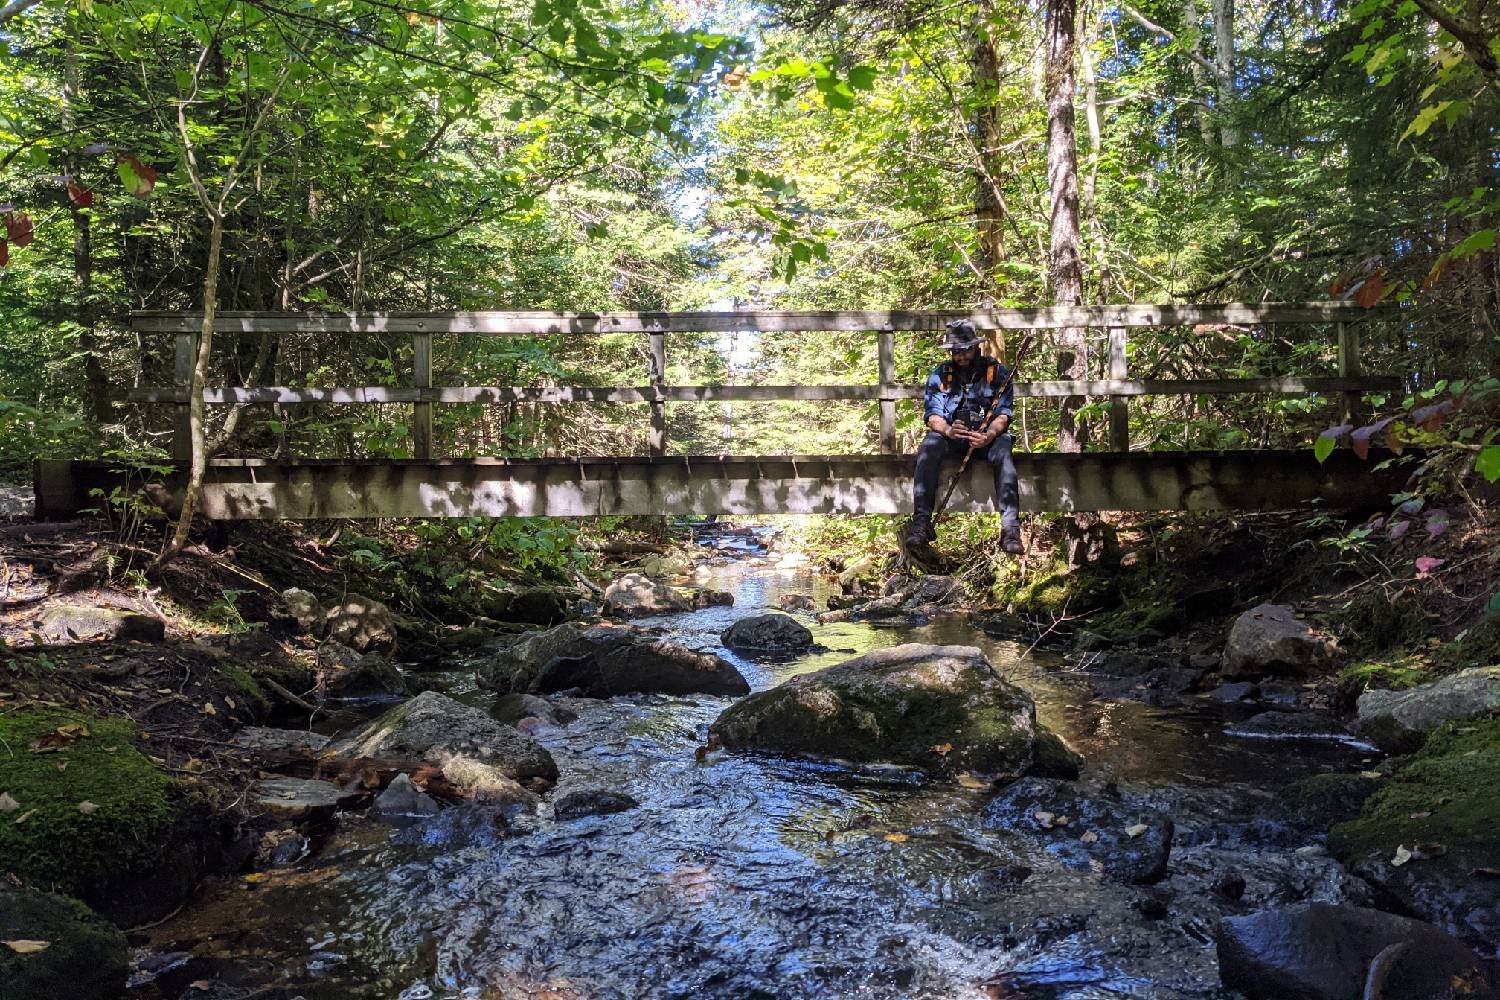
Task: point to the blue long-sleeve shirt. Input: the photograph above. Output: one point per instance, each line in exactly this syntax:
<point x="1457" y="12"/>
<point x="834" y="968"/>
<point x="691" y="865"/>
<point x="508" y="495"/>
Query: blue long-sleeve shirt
<point x="948" y="387"/>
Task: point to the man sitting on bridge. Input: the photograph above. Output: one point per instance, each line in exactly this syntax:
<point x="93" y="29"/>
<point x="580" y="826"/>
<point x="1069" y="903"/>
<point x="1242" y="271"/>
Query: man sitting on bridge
<point x="962" y="412"/>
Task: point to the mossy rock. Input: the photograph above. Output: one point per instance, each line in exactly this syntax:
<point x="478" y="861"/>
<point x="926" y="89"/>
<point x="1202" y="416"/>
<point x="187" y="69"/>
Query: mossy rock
<point x="1442" y="806"/>
<point x="61" y="845"/>
<point x="1058" y="593"/>
<point x="1372" y="623"/>
<point x="85" y="958"/>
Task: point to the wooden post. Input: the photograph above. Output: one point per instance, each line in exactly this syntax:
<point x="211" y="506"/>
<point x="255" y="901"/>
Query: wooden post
<point x="185" y="356"/>
<point x="1349" y="367"/>
<point x="1119" y="409"/>
<point x="421" y="413"/>
<point x="887" y="385"/>
<point x="658" y="439"/>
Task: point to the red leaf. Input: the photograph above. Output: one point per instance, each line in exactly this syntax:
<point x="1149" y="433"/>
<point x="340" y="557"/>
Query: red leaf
<point x="1370" y="292"/>
<point x="18" y="228"/>
<point x="80" y="195"/>
<point x="137" y="177"/>
<point x="1426" y="564"/>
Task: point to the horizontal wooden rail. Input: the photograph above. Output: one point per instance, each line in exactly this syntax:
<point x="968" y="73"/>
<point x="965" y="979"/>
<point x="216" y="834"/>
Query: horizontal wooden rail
<point x="544" y="323"/>
<point x="747" y="393"/>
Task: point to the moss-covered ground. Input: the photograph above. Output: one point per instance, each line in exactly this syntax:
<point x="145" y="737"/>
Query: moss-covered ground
<point x="1448" y="794"/>
<point x="83" y="802"/>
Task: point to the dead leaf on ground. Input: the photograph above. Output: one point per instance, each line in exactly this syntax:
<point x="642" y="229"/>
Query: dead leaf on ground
<point x="27" y="947"/>
<point x="7" y="803"/>
<point x="59" y="738"/>
<point x="208" y="708"/>
<point x="25" y="816"/>
<point x="1401" y="857"/>
<point x="1420" y="815"/>
<point x="87" y="808"/>
<point x="1044" y="818"/>
<point x="968" y="780"/>
<point x="1136" y="830"/>
<point x="897" y="838"/>
<point x="1090" y="837"/>
<point x="943" y="749"/>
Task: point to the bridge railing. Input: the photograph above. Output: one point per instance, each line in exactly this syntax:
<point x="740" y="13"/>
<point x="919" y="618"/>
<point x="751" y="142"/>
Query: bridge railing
<point x="422" y="395"/>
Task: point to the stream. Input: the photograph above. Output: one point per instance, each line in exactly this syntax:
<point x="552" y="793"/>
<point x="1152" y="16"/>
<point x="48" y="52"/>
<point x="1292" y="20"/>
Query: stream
<point x="746" y="877"/>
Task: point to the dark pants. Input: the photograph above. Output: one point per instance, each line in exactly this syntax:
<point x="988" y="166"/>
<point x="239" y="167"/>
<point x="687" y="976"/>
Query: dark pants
<point x="936" y="449"/>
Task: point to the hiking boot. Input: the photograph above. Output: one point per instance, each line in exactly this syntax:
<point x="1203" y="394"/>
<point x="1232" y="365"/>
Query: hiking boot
<point x="920" y="534"/>
<point x="1010" y="541"/>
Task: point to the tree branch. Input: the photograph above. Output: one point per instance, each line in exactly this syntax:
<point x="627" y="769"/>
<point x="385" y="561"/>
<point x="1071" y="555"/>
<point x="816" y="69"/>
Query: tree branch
<point x="1149" y="25"/>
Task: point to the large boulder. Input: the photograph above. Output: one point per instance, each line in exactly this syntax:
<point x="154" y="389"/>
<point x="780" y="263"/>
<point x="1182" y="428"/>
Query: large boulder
<point x="347" y="673"/>
<point x="1318" y="951"/>
<point x="472" y="749"/>
<point x="605" y="661"/>
<point x="1271" y="639"/>
<point x="55" y="947"/>
<point x="77" y="622"/>
<point x="941" y="708"/>
<point x="1126" y="843"/>
<point x="309" y="612"/>
<point x="1400" y="721"/>
<point x="767" y="633"/>
<point x="299" y="800"/>
<point x="361" y="623"/>
<point x="541" y="606"/>
<point x="635" y="594"/>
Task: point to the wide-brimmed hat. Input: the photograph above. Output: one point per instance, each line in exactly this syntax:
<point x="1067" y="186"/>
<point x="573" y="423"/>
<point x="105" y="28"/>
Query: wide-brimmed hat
<point x="959" y="335"/>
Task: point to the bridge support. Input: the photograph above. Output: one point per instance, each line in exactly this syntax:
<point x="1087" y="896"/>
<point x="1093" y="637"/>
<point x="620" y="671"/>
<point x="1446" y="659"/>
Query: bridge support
<point x="861" y="484"/>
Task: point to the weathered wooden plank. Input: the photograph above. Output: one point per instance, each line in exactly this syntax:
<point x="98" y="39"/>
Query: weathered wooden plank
<point x="656" y="441"/>
<point x="541" y="323"/>
<point x="421" y="413"/>
<point x="870" y="484"/>
<point x="749" y="393"/>
<point x="887" y="345"/>
<point x="1119" y="409"/>
<point x="184" y="360"/>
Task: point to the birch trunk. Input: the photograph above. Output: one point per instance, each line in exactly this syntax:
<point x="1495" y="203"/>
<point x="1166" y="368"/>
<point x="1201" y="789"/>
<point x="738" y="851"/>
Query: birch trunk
<point x="1064" y="261"/>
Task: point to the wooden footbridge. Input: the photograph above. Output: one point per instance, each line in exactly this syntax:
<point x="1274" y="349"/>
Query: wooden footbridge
<point x="430" y="486"/>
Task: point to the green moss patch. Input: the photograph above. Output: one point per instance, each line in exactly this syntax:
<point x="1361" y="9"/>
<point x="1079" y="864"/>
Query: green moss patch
<point x="1396" y="673"/>
<point x="58" y="844"/>
<point x="1445" y="795"/>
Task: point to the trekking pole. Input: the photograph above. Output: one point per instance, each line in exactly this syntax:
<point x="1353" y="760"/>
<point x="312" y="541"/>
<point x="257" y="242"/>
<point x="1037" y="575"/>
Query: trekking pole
<point x="988" y="419"/>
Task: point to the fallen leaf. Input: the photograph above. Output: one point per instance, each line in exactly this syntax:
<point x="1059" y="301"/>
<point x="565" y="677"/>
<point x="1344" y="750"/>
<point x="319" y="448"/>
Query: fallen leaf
<point x="254" y="877"/>
<point x="1063" y="820"/>
<point x="1044" y="818"/>
<point x="1136" y="830"/>
<point x="968" y="780"/>
<point x="62" y="765"/>
<point x="1090" y="837"/>
<point x="230" y="702"/>
<point x="1419" y="815"/>
<point x="208" y="708"/>
<point x="1371" y="774"/>
<point x="25" y="816"/>
<point x="7" y="803"/>
<point x="897" y="838"/>
<point x="27" y="947"/>
<point x="87" y="808"/>
<point x="1401" y="857"/>
<point x="943" y="749"/>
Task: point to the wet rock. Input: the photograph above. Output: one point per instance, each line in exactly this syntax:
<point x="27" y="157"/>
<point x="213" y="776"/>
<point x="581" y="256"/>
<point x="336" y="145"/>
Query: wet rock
<point x="943" y="709"/>
<point x="602" y="662"/>
<point x="279" y="848"/>
<point x="861" y="568"/>
<point x="1291" y="726"/>
<point x="280" y="741"/>
<point x="1052" y="758"/>
<point x="1317" y="951"/>
<point x="665" y="565"/>
<point x="465" y="640"/>
<point x="1127" y="843"/>
<point x="767" y="633"/>
<point x="1315" y="805"/>
<point x="1153" y="904"/>
<point x="78" y="622"/>
<point x="84" y="958"/>
<point x="299" y="800"/>
<point x="797" y="602"/>
<point x="591" y="802"/>
<point x="1234" y="692"/>
<point x="454" y="736"/>
<point x="539" y="606"/>
<point x="1126" y="664"/>
<point x="489" y="785"/>
<point x="1271" y="639"/>
<point x="512" y="708"/>
<point x="1280" y="693"/>
<point x="308" y="611"/>
<point x="1162" y="686"/>
<point x="1090" y="642"/>
<point x="1400" y="721"/>
<point x="1203" y="661"/>
<point x="347" y="673"/>
<point x="1231" y="886"/>
<point x="361" y="623"/>
<point x="704" y="597"/>
<point x="635" y="594"/>
<point x="403" y="800"/>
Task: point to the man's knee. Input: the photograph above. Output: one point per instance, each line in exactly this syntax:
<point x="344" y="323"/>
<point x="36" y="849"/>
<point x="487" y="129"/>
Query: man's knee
<point x="1001" y="447"/>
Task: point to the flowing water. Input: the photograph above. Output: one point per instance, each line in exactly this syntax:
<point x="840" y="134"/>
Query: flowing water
<point x="741" y="877"/>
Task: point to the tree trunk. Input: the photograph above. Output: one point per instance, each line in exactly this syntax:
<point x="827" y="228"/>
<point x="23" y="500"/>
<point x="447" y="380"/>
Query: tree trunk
<point x="989" y="212"/>
<point x="1064" y="262"/>
<point x="1192" y="28"/>
<point x="96" y="383"/>
<point x="1224" y="70"/>
<point x="192" y="495"/>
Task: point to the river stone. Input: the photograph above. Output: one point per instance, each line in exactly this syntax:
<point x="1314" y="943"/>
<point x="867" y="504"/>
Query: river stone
<point x="86" y="957"/>
<point x="1052" y="758"/>
<point x="77" y="622"/>
<point x="361" y="623"/>
<point x="768" y="633"/>
<point x="895" y="705"/>
<point x="606" y="661"/>
<point x="635" y="594"/>
<point x="1400" y="721"/>
<point x="796" y="602"/>
<point x="512" y="708"/>
<point x="278" y="741"/>
<point x="1291" y="726"/>
<point x="1126" y="843"/>
<point x="1271" y="639"/>
<point x="705" y="597"/>
<point x="402" y="799"/>
<point x="347" y="673"/>
<point x="591" y="802"/>
<point x="448" y="733"/>
<point x="1319" y="951"/>
<point x="541" y="606"/>
<point x="309" y="612"/>
<point x="299" y="800"/>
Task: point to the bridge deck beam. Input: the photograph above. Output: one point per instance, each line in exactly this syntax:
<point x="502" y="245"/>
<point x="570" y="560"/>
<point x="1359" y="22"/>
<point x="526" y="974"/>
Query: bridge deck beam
<point x="861" y="484"/>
